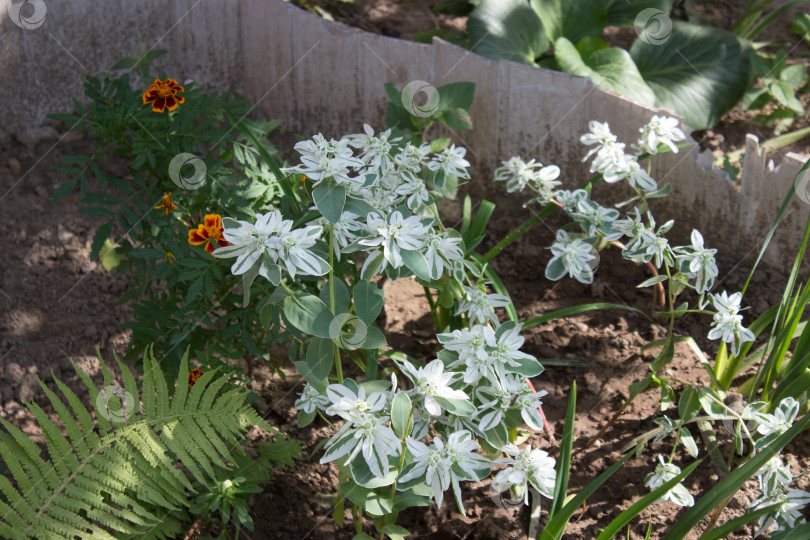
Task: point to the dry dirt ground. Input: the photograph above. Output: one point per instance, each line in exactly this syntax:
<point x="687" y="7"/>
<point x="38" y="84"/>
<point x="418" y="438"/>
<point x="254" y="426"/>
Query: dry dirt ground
<point x="57" y="305"/>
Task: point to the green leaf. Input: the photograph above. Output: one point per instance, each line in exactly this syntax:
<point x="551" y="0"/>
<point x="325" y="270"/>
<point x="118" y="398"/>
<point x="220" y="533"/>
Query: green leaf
<point x="800" y="532"/>
<point x="363" y="536"/>
<point x="194" y="290"/>
<point x="320" y="357"/>
<point x="573" y="310"/>
<point x="700" y="72"/>
<point x="610" y="69"/>
<point x="564" y="465"/>
<point x="556" y="525"/>
<point x="571" y="20"/>
<point x="305" y="419"/>
<point x="623" y="13"/>
<point x="408" y="499"/>
<point x="330" y="198"/>
<point x="309" y="314"/>
<point x="709" y="400"/>
<point x="64" y="190"/>
<point x="361" y="473"/>
<point x="625" y="517"/>
<point x="459" y="407"/>
<point x="652" y="281"/>
<point x="689" y="404"/>
<point x="395" y="532"/>
<point x="374" y="339"/>
<point x="416" y="263"/>
<point x="437" y="145"/>
<point x="368" y="301"/>
<point x="401" y="414"/>
<point x="688" y="442"/>
<point x="101" y="235"/>
<point x="529" y="367"/>
<point x="727" y="528"/>
<point x="507" y="29"/>
<point x="457" y="95"/>
<point x="731" y="483"/>
<point x="342" y="296"/>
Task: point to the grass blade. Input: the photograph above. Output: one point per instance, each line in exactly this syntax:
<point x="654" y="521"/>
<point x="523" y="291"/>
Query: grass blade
<point x="556" y="525"/>
<point x="730" y="484"/>
<point x="564" y="465"/>
<point x="734" y="524"/>
<point x="573" y="310"/>
<point x="635" y="509"/>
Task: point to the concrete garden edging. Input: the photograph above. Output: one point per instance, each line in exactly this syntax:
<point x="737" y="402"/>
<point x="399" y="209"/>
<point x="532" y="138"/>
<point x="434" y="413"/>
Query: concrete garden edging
<point x="318" y="76"/>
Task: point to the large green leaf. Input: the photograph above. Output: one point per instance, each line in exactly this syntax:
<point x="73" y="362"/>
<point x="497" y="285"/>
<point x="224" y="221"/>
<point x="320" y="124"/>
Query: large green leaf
<point x="624" y="12"/>
<point x="508" y="29"/>
<point x="330" y="198"/>
<point x="699" y="72"/>
<point x="309" y="314"/>
<point x="368" y="301"/>
<point x="572" y="19"/>
<point x="610" y="69"/>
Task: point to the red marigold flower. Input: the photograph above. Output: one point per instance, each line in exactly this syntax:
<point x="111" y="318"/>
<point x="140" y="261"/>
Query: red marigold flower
<point x="205" y="232"/>
<point x="193" y="376"/>
<point x="163" y="95"/>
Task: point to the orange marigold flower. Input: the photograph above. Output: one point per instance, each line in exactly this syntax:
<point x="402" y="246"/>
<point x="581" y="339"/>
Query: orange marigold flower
<point x="163" y="95"/>
<point x="167" y="203"/>
<point x="205" y="232"/>
<point x="193" y="376"/>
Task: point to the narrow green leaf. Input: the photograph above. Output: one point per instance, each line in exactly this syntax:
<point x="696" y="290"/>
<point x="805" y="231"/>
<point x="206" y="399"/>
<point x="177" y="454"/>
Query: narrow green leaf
<point x="564" y="462"/>
<point x="730" y="484"/>
<point x="625" y="517"/>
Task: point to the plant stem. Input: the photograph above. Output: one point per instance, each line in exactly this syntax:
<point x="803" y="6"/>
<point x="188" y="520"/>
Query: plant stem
<point x="335" y="347"/>
<point x="432" y="305"/>
<point x="654" y="272"/>
<point x="358" y="520"/>
<point x="401" y="464"/>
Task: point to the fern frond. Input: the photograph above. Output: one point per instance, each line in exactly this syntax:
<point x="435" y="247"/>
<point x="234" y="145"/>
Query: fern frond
<point x="113" y="474"/>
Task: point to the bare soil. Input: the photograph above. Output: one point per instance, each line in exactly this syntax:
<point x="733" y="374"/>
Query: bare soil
<point x="57" y="306"/>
